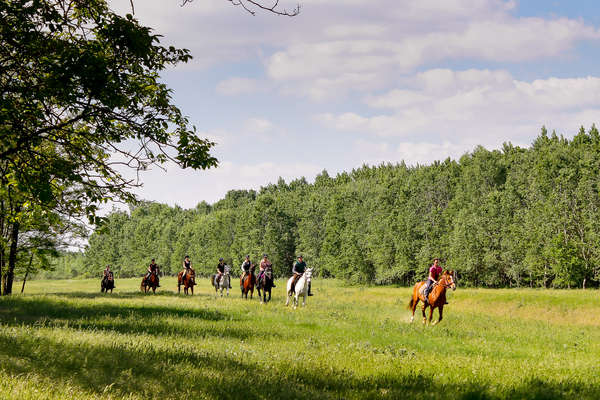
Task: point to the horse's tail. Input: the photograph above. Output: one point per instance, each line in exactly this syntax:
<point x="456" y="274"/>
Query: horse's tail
<point x="411" y="303"/>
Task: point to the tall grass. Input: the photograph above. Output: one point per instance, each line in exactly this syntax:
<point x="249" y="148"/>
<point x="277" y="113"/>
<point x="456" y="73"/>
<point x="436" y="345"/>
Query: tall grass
<point x="64" y="339"/>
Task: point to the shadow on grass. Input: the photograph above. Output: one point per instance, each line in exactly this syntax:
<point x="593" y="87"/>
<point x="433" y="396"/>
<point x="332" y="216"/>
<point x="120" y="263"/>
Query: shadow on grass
<point x="184" y="372"/>
<point x="126" y="319"/>
<point x="124" y="295"/>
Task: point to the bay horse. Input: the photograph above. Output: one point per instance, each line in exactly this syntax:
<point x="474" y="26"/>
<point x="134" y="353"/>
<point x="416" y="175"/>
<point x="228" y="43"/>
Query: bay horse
<point x="108" y="283"/>
<point x="188" y="282"/>
<point x="150" y="283"/>
<point x="265" y="283"/>
<point x="223" y="282"/>
<point x="437" y="296"/>
<point x="248" y="283"/>
<point x="301" y="288"/>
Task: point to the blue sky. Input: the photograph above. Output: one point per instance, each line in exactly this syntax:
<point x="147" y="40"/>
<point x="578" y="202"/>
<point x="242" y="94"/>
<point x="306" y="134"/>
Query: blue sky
<point x="349" y="82"/>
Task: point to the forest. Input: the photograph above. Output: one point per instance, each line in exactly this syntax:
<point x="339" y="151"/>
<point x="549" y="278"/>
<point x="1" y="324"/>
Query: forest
<point x="512" y="217"/>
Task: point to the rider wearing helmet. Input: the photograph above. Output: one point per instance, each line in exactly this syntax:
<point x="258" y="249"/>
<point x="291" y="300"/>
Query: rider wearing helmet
<point x="152" y="269"/>
<point x="434" y="272"/>
<point x="187" y="266"/>
<point x="245" y="269"/>
<point x="221" y="270"/>
<point x="108" y="274"/>
<point x="298" y="270"/>
<point x="264" y="265"/>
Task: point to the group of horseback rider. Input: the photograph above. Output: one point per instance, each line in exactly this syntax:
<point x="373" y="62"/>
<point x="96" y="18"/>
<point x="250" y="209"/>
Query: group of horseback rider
<point x="265" y="266"/>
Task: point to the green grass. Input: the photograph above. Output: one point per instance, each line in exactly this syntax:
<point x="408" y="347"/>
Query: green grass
<point x="64" y="339"/>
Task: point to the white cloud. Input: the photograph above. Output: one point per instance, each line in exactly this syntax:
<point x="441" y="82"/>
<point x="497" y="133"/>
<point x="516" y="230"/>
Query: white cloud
<point x="258" y="125"/>
<point x="412" y="153"/>
<point x="187" y="187"/>
<point x="478" y="105"/>
<point x="238" y="86"/>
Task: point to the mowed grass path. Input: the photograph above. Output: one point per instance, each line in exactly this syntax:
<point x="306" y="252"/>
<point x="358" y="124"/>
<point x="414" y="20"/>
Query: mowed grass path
<point x="64" y="339"/>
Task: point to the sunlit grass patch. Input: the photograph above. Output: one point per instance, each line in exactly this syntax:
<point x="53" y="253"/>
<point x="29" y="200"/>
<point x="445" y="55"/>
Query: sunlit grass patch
<point x="67" y="340"/>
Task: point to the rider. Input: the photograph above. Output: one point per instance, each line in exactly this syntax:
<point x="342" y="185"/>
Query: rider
<point x="108" y="274"/>
<point x="298" y="270"/>
<point x="245" y="269"/>
<point x="264" y="265"/>
<point x="187" y="266"/>
<point x="434" y="272"/>
<point x="221" y="270"/>
<point x="152" y="269"/>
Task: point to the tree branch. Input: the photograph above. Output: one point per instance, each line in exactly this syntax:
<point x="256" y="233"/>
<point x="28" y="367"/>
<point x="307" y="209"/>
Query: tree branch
<point x="272" y="9"/>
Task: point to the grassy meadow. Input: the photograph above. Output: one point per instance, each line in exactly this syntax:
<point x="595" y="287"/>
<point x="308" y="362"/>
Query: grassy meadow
<point x="64" y="340"/>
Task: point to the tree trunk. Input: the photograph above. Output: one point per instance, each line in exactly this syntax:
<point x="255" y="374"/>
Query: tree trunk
<point x="2" y="247"/>
<point x="584" y="280"/>
<point x="27" y="273"/>
<point x="12" y="258"/>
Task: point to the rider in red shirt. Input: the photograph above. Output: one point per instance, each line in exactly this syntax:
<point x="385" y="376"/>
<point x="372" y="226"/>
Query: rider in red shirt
<point x="434" y="272"/>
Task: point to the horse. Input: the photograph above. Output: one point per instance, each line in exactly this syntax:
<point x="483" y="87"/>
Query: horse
<point x="301" y="288"/>
<point x="222" y="283"/>
<point x="437" y="296"/>
<point x="150" y="283"/>
<point x="188" y="282"/>
<point x="247" y="285"/>
<point x="265" y="283"/>
<point x="107" y="283"/>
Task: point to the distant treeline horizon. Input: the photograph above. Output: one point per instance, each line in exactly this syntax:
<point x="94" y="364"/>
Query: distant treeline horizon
<point x="500" y="218"/>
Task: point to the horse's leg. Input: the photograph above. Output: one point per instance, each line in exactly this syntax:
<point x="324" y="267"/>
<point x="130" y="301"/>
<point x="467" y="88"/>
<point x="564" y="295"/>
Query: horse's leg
<point x="413" y="307"/>
<point x="441" y="311"/>
<point x="430" y="313"/>
<point x="192" y="290"/>
<point x="423" y="311"/>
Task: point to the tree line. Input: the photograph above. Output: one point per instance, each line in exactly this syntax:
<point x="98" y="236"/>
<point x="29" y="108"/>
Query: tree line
<point x="501" y="218"/>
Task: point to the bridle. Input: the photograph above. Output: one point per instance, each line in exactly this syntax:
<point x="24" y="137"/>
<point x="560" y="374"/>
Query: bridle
<point x="446" y="285"/>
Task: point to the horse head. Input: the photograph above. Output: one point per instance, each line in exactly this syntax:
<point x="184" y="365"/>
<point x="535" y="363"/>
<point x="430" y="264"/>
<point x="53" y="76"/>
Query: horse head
<point x="449" y="279"/>
<point x="308" y="274"/>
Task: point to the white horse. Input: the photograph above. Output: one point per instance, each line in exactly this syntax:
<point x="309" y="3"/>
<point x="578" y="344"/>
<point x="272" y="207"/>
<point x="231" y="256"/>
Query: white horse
<point x="223" y="283"/>
<point x="301" y="288"/>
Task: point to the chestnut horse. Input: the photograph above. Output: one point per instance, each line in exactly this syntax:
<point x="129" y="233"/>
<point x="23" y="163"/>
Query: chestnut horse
<point x="188" y="282"/>
<point x="150" y="283"/>
<point x="437" y="296"/>
<point x="248" y="283"/>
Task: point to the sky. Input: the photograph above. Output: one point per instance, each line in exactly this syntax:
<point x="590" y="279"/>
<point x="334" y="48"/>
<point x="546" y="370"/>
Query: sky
<point x="353" y="82"/>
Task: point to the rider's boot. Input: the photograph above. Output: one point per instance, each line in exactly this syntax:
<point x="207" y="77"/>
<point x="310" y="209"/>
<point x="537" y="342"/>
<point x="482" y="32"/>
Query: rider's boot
<point x="309" y="292"/>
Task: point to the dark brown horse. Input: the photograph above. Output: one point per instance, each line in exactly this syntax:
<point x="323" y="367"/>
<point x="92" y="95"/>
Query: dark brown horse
<point x="150" y="283"/>
<point x="108" y="283"/>
<point x="437" y="296"/>
<point x="265" y="283"/>
<point x="247" y="284"/>
<point x="188" y="282"/>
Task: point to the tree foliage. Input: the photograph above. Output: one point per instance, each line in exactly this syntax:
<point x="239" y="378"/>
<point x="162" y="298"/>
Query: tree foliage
<point x="501" y="218"/>
<point x="82" y="112"/>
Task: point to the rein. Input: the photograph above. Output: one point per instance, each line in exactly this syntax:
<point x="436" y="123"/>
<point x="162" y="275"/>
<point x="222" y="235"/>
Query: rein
<point x="445" y="285"/>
